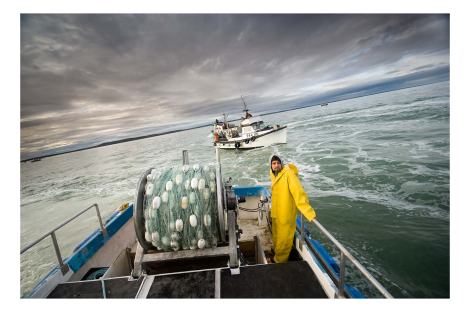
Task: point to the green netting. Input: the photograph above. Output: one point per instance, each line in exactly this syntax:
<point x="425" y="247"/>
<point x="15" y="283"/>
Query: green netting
<point x="180" y="208"/>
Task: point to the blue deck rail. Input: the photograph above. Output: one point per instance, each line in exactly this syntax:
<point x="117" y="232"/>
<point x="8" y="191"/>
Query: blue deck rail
<point x="344" y="254"/>
<point x="64" y="267"/>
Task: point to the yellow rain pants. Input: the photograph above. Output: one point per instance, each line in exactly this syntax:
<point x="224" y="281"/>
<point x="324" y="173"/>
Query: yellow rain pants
<point x="287" y="195"/>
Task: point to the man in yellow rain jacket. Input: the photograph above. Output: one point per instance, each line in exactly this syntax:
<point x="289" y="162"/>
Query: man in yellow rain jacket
<point x="287" y="195"/>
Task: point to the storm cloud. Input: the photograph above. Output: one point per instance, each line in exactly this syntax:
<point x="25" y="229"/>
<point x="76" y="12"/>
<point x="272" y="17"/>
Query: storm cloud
<point x="85" y="77"/>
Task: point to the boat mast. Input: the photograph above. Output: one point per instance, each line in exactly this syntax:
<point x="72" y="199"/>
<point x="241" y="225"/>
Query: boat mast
<point x="247" y="115"/>
<point x="225" y="121"/>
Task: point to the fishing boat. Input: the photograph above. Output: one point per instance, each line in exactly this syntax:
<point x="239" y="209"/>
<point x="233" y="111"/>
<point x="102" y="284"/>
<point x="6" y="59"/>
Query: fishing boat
<point x="119" y="260"/>
<point x="251" y="133"/>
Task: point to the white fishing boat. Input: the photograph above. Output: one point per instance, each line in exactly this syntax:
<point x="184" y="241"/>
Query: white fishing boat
<point x="122" y="260"/>
<point x="252" y="132"/>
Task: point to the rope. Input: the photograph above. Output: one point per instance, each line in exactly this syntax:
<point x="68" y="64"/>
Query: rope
<point x="249" y="209"/>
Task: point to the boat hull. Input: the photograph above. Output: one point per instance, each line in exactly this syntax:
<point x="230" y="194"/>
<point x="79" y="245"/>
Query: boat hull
<point x="277" y="136"/>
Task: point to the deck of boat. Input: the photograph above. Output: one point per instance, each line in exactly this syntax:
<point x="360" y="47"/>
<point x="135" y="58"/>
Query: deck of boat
<point x="287" y="280"/>
<point x="208" y="277"/>
<point x="248" y="222"/>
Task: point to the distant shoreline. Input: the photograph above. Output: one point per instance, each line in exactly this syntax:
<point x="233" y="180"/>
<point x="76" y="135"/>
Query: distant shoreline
<point x="210" y="123"/>
<point x="116" y="142"/>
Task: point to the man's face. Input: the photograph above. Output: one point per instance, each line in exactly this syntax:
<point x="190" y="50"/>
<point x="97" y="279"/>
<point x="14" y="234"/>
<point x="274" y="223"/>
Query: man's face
<point x="276" y="166"/>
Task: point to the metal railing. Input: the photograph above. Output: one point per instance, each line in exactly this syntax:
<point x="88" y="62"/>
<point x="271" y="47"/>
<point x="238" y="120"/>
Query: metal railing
<point x="345" y="254"/>
<point x="185" y="157"/>
<point x="63" y="267"/>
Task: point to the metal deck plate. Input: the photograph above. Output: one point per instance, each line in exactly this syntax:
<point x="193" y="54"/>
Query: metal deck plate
<point x="187" y="285"/>
<point x="283" y="280"/>
<point x="115" y="288"/>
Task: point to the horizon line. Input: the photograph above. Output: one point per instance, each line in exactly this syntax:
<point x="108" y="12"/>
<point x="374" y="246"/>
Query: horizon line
<point x="141" y="137"/>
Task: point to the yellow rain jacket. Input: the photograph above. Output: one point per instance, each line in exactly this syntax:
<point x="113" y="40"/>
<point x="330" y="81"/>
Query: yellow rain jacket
<point x="287" y="195"/>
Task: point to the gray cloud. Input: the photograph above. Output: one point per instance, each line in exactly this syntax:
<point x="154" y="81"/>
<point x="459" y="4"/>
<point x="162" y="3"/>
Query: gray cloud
<point x="82" y="75"/>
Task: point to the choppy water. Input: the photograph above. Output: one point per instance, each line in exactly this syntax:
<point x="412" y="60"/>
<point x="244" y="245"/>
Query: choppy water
<point x="376" y="170"/>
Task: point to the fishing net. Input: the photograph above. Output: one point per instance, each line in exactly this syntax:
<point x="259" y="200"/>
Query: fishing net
<point x="180" y="208"/>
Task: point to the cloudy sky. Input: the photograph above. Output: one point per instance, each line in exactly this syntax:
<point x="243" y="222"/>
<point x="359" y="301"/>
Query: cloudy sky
<point x="87" y="79"/>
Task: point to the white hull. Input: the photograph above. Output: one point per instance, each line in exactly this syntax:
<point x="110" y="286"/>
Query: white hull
<point x="271" y="138"/>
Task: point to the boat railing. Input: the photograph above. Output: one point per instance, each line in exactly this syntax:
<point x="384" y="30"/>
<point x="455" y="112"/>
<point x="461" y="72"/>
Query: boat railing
<point x="64" y="267"/>
<point x="344" y="254"/>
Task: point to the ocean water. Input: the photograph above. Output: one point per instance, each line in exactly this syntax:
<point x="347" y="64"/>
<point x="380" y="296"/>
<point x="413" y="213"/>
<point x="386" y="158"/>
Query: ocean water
<point x="376" y="170"/>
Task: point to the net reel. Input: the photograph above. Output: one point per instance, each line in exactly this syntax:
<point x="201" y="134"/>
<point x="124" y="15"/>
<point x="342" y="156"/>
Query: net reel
<point x="185" y="211"/>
